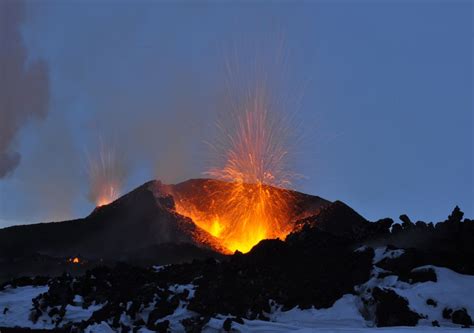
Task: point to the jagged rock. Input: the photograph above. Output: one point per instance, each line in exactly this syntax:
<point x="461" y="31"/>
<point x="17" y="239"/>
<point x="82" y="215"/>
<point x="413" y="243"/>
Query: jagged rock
<point x="227" y="326"/>
<point x="392" y="309"/>
<point x="162" y="309"/>
<point x="383" y="225"/>
<point x="35" y="314"/>
<point x="420" y="225"/>
<point x="195" y="324"/>
<point x="435" y="323"/>
<point x="340" y="220"/>
<point x="461" y="317"/>
<point x="284" y="272"/>
<point x="138" y="323"/>
<point x="108" y="311"/>
<point x="456" y="215"/>
<point x="124" y="328"/>
<point x="162" y="326"/>
<point x="447" y="312"/>
<point x="431" y="302"/>
<point x="407" y="223"/>
<point x="397" y="228"/>
<point x="133" y="309"/>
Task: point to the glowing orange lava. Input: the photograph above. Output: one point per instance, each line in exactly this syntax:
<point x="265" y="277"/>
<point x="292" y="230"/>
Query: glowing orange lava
<point x="74" y="260"/>
<point x="252" y="205"/>
<point x="106" y="196"/>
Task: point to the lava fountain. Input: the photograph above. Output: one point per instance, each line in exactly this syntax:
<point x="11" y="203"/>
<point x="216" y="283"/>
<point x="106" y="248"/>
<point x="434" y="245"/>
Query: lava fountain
<point x="107" y="174"/>
<point x="252" y="159"/>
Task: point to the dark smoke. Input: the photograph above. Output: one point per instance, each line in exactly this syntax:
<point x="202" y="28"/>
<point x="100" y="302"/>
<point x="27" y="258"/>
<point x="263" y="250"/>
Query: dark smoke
<point x="24" y="84"/>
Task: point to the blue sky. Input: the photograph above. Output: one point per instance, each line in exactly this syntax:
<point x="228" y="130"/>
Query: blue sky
<point x="386" y="118"/>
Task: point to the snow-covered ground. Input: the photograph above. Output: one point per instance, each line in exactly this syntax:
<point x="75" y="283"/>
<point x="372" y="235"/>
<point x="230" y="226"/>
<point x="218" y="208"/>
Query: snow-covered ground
<point x="451" y="290"/>
<point x="15" y="306"/>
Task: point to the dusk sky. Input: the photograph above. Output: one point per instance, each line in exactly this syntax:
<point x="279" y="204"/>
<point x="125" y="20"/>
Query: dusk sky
<point x="386" y="117"/>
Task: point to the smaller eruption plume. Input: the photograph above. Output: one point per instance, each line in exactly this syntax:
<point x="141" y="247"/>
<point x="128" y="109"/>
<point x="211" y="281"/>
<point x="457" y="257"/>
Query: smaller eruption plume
<point x="107" y="173"/>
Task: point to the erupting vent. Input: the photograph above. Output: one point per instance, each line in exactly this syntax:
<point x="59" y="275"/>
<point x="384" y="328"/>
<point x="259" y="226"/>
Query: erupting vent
<point x="238" y="214"/>
<point x="252" y="160"/>
<point x="106" y="173"/>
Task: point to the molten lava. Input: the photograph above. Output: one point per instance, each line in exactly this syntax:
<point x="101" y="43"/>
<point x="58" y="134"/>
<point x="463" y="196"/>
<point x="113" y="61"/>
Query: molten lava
<point x="74" y="260"/>
<point x="253" y="160"/>
<point x="240" y="215"/>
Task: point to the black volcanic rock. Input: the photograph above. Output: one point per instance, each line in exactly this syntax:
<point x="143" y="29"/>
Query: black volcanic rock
<point x="392" y="309"/>
<point x="431" y="302"/>
<point x="456" y="215"/>
<point x="136" y="220"/>
<point x="447" y="312"/>
<point x="342" y="221"/>
<point x="162" y="309"/>
<point x="305" y="271"/>
<point x="461" y="317"/>
<point x="447" y="244"/>
<point x="407" y="223"/>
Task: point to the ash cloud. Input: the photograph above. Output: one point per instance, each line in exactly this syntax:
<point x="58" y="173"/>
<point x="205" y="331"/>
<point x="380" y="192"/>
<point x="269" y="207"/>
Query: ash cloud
<point x="24" y="84"/>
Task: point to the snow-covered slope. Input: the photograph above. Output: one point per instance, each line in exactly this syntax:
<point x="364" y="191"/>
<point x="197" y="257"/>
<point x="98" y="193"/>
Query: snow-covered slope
<point x="351" y="313"/>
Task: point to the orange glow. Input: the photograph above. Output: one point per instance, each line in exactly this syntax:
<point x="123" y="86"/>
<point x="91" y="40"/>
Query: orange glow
<point x="74" y="260"/>
<point x="252" y="205"/>
<point x="106" y="171"/>
<point x="240" y="215"/>
<point x="107" y="195"/>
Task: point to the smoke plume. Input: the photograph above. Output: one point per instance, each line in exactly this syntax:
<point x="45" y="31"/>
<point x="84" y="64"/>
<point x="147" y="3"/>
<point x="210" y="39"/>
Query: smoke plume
<point x="24" y="84"/>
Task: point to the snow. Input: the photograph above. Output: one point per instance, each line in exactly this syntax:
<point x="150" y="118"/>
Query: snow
<point x="179" y="288"/>
<point x="19" y="304"/>
<point x="343" y="313"/>
<point x="383" y="252"/>
<point x="103" y="327"/>
<point x="451" y="290"/>
<point x="76" y="313"/>
<point x="259" y="326"/>
<point x="18" y="301"/>
<point x="159" y="268"/>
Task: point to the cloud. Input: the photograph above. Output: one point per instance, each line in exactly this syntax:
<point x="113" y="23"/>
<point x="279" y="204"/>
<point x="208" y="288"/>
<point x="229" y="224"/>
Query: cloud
<point x="24" y="85"/>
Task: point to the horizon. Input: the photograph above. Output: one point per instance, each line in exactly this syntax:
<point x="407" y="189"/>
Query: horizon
<point x="396" y="220"/>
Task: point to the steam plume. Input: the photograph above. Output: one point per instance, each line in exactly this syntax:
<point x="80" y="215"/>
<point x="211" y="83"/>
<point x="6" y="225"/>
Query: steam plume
<point x="24" y="85"/>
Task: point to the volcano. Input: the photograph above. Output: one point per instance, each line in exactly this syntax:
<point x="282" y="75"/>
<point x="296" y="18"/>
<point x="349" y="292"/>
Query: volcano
<point x="142" y="226"/>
